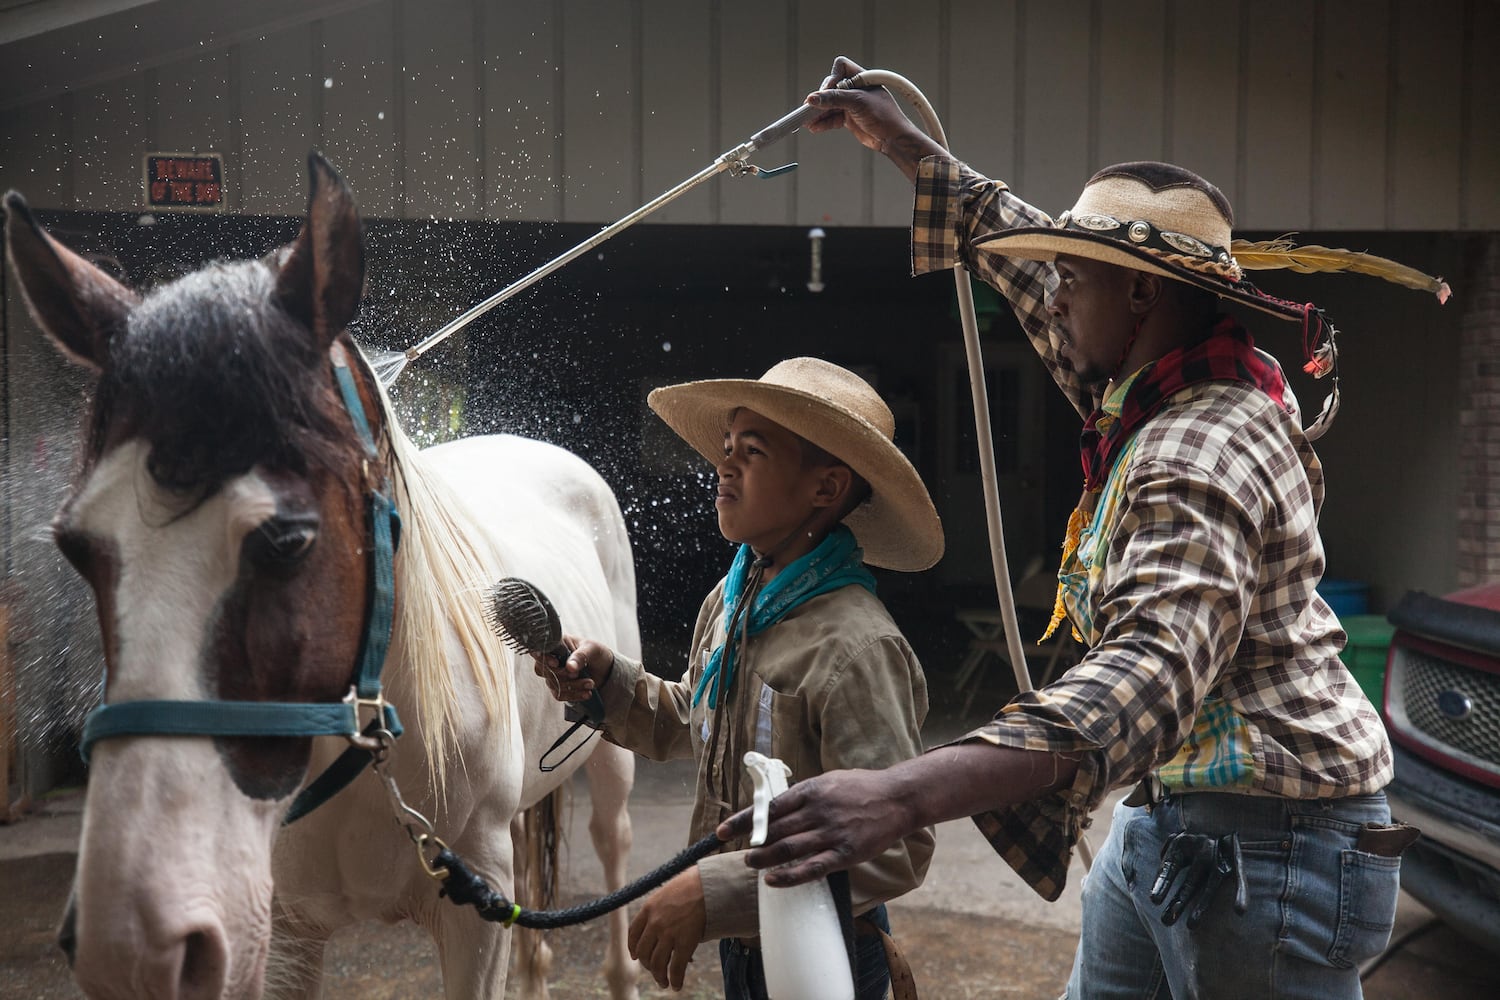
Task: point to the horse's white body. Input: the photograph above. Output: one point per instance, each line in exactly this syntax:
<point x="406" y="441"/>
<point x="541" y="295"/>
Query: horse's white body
<point x="543" y="515"/>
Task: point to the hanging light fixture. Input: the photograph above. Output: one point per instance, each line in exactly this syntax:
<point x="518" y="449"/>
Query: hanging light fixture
<point x="815" y="274"/>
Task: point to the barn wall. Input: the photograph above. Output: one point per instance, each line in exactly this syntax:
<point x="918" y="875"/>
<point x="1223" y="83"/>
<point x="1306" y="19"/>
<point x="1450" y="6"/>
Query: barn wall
<point x="1324" y="115"/>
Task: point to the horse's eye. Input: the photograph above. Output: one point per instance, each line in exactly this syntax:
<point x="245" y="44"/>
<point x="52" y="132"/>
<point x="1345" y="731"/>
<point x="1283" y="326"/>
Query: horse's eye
<point x="282" y="540"/>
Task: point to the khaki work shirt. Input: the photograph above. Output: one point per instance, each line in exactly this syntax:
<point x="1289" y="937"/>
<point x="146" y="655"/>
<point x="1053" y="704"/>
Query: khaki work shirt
<point x="834" y="684"/>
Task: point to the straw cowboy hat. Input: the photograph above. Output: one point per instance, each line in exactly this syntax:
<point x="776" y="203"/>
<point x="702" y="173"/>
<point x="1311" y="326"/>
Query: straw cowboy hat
<point x="1165" y="219"/>
<point x="838" y="411"/>
<point x="1154" y="217"/>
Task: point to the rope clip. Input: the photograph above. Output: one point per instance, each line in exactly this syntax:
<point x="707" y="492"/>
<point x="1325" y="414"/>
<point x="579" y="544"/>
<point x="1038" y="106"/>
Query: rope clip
<point x="421" y="841"/>
<point x="417" y="826"/>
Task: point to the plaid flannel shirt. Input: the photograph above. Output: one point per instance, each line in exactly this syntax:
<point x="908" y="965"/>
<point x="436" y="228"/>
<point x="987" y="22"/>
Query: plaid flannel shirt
<point x="1208" y="593"/>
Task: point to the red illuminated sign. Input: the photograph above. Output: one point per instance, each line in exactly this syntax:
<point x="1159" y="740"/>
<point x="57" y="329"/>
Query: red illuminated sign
<point x="185" y="180"/>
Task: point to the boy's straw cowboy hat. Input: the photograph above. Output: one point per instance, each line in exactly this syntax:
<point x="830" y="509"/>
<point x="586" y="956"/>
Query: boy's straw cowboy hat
<point x="838" y="411"/>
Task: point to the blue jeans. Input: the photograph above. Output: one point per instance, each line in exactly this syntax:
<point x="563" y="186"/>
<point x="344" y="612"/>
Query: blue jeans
<point x="1317" y="907"/>
<point x="745" y="977"/>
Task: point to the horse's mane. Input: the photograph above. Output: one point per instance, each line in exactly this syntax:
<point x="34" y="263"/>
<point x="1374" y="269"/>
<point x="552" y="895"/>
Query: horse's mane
<point x="437" y="588"/>
<point x="211" y="398"/>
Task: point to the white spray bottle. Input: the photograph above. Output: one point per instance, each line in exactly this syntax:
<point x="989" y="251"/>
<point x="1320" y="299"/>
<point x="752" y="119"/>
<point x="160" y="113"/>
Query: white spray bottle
<point x="802" y="946"/>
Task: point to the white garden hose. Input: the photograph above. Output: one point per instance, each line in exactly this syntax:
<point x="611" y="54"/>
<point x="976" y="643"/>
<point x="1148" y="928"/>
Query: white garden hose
<point x="983" y="435"/>
<point x="982" y="431"/>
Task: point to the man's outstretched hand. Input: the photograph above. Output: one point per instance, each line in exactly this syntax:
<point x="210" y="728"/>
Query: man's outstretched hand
<point x="825" y="824"/>
<point x="844" y="818"/>
<point x="872" y="116"/>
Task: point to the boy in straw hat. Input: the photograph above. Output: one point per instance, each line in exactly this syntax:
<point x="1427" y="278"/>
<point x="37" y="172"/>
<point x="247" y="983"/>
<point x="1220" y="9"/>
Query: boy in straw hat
<point x="1212" y="681"/>
<point x="793" y="655"/>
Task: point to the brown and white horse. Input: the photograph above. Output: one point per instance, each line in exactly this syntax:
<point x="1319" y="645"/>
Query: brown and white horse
<point x="221" y="517"/>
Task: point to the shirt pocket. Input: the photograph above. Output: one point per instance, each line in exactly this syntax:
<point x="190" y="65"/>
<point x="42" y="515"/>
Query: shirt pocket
<point x="791" y="732"/>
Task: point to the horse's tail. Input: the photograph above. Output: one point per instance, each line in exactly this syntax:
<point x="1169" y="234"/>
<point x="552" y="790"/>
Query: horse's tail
<point x="537" y="883"/>
<point x="545" y="824"/>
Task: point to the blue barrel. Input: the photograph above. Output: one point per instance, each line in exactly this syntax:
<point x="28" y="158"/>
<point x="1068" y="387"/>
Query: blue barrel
<point x="1345" y="597"/>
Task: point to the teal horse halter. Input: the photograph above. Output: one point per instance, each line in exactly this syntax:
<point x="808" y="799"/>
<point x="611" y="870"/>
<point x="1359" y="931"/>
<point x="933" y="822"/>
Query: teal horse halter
<point x="271" y="718"/>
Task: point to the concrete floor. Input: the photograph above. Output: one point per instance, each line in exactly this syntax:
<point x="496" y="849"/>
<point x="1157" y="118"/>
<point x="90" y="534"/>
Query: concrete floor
<point x="973" y="929"/>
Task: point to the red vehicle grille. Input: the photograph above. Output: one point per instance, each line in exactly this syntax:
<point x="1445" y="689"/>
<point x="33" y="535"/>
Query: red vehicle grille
<point x="1445" y="709"/>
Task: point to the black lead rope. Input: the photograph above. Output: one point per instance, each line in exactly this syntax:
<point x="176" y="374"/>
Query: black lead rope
<point x="468" y="889"/>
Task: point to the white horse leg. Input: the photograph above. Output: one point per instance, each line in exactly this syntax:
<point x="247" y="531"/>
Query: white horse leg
<point x="473" y="954"/>
<point x="533" y="963"/>
<point x="611" y="775"/>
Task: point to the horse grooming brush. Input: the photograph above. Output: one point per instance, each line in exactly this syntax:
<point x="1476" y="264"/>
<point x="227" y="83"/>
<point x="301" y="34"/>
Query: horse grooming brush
<point x="525" y="620"/>
<point x="521" y="615"/>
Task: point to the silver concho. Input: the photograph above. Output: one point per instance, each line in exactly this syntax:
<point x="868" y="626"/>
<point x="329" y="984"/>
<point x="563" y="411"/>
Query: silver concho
<point x="1098" y="223"/>
<point x="1188" y="245"/>
<point x="1139" y="232"/>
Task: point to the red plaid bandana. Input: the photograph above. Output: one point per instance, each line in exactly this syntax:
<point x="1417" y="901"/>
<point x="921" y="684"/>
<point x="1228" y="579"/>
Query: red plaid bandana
<point x="1226" y="354"/>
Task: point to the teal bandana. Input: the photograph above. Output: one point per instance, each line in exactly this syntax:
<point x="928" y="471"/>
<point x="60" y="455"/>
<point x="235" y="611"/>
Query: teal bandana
<point x="836" y="562"/>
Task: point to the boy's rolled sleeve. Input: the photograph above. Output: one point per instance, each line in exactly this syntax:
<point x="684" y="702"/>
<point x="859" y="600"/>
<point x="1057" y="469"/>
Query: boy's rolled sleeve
<point x="731" y="901"/>
<point x="645" y="713"/>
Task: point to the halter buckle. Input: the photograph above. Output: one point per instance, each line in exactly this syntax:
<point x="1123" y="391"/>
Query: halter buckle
<point x="378" y="741"/>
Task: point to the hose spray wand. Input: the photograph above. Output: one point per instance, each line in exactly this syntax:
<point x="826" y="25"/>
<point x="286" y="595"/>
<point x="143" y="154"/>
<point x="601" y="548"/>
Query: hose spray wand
<point x="388" y="365"/>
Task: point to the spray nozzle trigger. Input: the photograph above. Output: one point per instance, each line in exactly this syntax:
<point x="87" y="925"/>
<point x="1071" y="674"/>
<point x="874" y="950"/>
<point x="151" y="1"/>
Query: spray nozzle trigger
<point x="768" y="776"/>
<point x="765" y="174"/>
<point x="739" y="168"/>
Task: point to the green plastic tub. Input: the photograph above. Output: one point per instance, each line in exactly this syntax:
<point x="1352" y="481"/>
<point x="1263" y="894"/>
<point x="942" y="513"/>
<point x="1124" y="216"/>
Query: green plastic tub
<point x="1365" y="653"/>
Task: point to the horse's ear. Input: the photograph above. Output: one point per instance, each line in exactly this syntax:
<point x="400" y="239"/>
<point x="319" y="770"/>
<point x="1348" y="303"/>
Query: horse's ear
<point x="321" y="275"/>
<point x="77" y="305"/>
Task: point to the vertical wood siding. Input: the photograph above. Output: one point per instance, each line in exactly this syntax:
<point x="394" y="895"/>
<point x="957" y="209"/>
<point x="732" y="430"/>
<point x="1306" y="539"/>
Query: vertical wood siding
<point x="754" y="48"/>
<point x="359" y="119"/>
<point x="1479" y="139"/>
<point x="1276" y="146"/>
<point x="522" y="98"/>
<point x="1318" y="115"/>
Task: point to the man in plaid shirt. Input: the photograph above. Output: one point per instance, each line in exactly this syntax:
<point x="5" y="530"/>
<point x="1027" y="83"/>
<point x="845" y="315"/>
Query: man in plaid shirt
<point x="1212" y="681"/>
